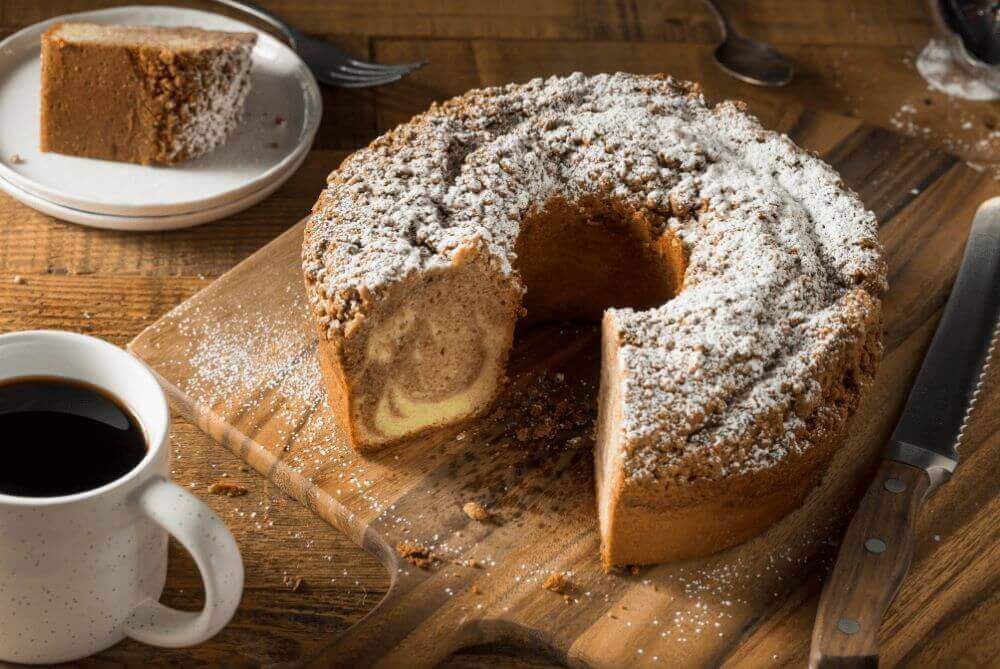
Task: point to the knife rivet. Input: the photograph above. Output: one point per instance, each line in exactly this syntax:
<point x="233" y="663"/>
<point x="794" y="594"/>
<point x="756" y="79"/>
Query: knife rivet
<point x="848" y="626"/>
<point x="875" y="546"/>
<point x="894" y="485"/>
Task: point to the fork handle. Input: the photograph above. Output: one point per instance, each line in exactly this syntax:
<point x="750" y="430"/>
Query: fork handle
<point x="258" y="12"/>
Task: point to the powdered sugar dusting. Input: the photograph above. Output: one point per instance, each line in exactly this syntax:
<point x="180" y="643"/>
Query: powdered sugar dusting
<point x="209" y="116"/>
<point x="937" y="66"/>
<point x="785" y="263"/>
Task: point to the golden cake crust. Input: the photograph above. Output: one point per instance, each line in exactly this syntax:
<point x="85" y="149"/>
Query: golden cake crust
<point x="729" y="359"/>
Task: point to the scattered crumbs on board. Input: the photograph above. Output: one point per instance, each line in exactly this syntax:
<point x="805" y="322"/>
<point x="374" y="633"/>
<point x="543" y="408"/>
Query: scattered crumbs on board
<point x="415" y="554"/>
<point x="261" y="368"/>
<point x="972" y="132"/>
<point x="227" y="489"/>
<point x="556" y="582"/>
<point x="476" y="511"/>
<point x="972" y="128"/>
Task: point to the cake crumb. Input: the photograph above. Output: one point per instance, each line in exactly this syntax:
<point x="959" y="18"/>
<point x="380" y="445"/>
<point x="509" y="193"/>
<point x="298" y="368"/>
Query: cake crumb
<point x="227" y="489"/>
<point x="418" y="556"/>
<point x="293" y="583"/>
<point x="19" y="280"/>
<point x="557" y="583"/>
<point x="633" y="569"/>
<point x="471" y="564"/>
<point x="16" y="159"/>
<point x="476" y="511"/>
<point x="475" y="590"/>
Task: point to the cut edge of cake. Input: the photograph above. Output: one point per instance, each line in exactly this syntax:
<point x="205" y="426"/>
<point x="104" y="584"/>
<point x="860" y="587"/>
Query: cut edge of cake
<point x="431" y="353"/>
<point x="662" y="519"/>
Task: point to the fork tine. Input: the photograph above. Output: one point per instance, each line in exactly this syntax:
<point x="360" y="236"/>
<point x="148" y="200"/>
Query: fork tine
<point x="345" y="81"/>
<point x="373" y="71"/>
<point x="334" y="66"/>
<point x="370" y="84"/>
<point x="342" y="73"/>
<point x="360" y="64"/>
<point x="361" y="78"/>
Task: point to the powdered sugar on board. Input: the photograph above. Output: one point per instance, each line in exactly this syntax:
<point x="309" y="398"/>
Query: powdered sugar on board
<point x="257" y="370"/>
<point x="937" y="65"/>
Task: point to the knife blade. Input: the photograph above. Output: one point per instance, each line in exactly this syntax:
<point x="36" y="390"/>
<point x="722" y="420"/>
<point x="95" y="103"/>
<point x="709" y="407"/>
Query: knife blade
<point x="922" y="453"/>
<point x="930" y="429"/>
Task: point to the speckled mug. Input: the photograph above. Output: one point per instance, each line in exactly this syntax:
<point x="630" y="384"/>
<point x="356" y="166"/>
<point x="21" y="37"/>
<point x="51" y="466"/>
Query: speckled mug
<point x="78" y="573"/>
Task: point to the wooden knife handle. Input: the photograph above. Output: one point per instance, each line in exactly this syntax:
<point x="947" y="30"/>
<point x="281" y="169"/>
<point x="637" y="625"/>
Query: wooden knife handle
<point x="873" y="559"/>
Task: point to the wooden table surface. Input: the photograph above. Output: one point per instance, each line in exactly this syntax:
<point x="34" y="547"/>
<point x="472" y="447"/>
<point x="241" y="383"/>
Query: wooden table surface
<point x="854" y="57"/>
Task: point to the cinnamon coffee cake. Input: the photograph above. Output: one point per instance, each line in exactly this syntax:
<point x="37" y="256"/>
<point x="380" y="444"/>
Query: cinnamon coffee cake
<point x="737" y="279"/>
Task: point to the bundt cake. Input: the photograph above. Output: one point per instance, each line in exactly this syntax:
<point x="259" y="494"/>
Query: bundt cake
<point x="738" y="281"/>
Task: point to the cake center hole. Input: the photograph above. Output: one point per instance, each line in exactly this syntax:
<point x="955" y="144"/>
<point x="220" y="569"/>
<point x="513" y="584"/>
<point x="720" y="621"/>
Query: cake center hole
<point x="578" y="259"/>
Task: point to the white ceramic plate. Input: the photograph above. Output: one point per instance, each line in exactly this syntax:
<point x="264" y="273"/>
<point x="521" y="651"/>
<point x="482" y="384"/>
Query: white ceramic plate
<point x="260" y="151"/>
<point x="147" y="223"/>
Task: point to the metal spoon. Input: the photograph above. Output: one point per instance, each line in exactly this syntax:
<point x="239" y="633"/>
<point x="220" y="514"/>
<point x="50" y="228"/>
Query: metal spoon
<point x="751" y="61"/>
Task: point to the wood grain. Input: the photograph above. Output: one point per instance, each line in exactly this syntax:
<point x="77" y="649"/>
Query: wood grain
<point x="854" y="57"/>
<point x="878" y="84"/>
<point x="892" y="21"/>
<point x="270" y="411"/>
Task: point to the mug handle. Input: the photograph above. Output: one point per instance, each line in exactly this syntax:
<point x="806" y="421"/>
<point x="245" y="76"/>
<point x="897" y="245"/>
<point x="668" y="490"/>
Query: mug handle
<point x="213" y="548"/>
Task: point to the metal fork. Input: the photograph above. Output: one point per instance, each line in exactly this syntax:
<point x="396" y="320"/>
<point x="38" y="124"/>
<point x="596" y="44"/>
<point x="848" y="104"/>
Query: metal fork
<point x="330" y="64"/>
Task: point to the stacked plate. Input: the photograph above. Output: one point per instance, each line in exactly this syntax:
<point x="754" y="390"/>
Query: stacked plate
<point x="280" y="120"/>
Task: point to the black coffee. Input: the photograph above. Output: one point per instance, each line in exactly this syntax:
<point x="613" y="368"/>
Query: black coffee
<point x="61" y="437"/>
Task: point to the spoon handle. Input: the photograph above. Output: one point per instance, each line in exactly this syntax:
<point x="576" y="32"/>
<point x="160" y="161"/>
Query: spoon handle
<point x="720" y="17"/>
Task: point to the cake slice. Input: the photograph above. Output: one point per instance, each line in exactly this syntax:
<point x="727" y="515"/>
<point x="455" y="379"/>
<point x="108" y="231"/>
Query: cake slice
<point x="141" y="94"/>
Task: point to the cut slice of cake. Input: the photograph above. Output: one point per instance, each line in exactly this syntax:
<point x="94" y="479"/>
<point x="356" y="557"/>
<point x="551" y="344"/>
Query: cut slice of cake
<point x="141" y="94"/>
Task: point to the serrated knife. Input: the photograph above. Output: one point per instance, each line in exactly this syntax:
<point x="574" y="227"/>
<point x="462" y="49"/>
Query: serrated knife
<point x="922" y="453"/>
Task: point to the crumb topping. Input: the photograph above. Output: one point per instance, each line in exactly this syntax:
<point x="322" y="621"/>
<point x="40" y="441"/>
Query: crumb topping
<point x="784" y="263"/>
<point x="476" y="511"/>
<point x="201" y="93"/>
<point x="417" y="555"/>
<point x="556" y="582"/>
<point x="227" y="489"/>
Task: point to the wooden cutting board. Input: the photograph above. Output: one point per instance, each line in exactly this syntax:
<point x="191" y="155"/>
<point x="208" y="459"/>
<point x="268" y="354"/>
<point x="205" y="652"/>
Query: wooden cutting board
<point x="239" y="359"/>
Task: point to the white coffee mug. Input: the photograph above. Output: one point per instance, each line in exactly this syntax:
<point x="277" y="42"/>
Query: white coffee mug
<point x="80" y="572"/>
